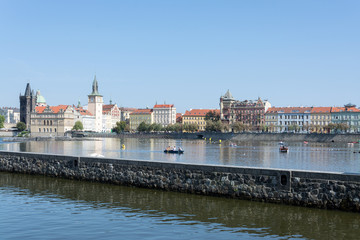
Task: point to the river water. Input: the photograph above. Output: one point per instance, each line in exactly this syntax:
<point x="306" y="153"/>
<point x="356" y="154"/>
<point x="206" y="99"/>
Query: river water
<point x="333" y="157"/>
<point x="37" y="207"/>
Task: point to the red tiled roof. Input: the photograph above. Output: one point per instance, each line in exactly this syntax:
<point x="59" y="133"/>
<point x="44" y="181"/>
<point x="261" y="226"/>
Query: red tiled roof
<point x="200" y="112"/>
<point x="83" y="112"/>
<point x="288" y="109"/>
<point x="142" y="111"/>
<point x="342" y="109"/>
<point x="54" y="109"/>
<point x="108" y="107"/>
<point x="164" y="106"/>
<point x="127" y="109"/>
<point x="321" y="110"/>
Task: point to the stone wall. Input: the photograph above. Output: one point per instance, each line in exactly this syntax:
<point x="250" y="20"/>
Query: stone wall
<point x="286" y="137"/>
<point x="303" y="188"/>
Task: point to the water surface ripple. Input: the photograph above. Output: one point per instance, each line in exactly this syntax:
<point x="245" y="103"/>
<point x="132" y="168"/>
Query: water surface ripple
<point x="35" y="207"/>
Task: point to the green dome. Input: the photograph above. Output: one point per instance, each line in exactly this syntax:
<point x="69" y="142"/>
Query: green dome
<point x="39" y="98"/>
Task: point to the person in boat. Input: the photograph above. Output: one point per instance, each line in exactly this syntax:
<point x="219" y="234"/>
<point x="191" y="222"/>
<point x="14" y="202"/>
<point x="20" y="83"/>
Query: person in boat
<point x="168" y="148"/>
<point x="174" y="148"/>
<point x="180" y="149"/>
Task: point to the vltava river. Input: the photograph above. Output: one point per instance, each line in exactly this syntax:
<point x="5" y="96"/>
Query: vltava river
<point x="334" y="157"/>
<point x="36" y="207"/>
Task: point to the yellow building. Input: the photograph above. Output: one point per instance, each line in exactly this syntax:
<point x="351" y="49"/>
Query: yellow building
<point x="271" y="119"/>
<point x="320" y="117"/>
<point x="140" y="115"/>
<point x="197" y="116"/>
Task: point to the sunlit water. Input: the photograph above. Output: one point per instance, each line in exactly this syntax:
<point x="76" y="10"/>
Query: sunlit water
<point x="35" y="207"/>
<point x="334" y="157"/>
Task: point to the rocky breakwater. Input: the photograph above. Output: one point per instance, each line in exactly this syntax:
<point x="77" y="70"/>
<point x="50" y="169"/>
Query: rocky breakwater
<point x="303" y="188"/>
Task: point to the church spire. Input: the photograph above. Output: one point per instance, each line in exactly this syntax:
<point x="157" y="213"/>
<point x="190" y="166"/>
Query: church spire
<point x="28" y="90"/>
<point x="95" y="88"/>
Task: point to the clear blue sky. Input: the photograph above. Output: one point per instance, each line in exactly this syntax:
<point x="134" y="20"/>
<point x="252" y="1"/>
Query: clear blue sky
<point x="293" y="53"/>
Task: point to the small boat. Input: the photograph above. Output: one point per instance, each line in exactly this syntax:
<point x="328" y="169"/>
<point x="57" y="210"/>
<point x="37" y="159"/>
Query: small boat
<point x="305" y="142"/>
<point x="174" y="151"/>
<point x="283" y="148"/>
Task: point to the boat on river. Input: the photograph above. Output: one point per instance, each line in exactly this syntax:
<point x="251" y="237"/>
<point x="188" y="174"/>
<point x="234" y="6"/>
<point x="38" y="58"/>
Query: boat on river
<point x="283" y="148"/>
<point x="174" y="151"/>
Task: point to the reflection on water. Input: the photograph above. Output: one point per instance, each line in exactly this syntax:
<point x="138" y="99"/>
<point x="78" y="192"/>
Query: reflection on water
<point x="336" y="157"/>
<point x="66" y="209"/>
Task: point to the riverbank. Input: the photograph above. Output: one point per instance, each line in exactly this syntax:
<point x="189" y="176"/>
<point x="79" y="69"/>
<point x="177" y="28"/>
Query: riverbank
<point x="325" y="190"/>
<point x="285" y="137"/>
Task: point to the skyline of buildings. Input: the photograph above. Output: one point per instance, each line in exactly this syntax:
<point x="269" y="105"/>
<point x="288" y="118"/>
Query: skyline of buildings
<point x="256" y="114"/>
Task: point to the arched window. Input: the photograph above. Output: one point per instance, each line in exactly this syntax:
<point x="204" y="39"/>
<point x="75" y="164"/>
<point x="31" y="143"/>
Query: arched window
<point x="44" y="122"/>
<point x="39" y="129"/>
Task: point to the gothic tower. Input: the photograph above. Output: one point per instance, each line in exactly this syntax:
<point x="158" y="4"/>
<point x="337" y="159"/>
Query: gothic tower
<point x="95" y="105"/>
<point x="27" y="105"/>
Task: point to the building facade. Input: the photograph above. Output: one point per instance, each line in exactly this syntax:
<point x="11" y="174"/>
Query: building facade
<point x="125" y="113"/>
<point x="197" y="116"/>
<point x="52" y="121"/>
<point x="111" y="115"/>
<point x="11" y="115"/>
<point x="348" y="115"/>
<point x="271" y="120"/>
<point x="247" y="112"/>
<point x="320" y="118"/>
<point x="85" y="117"/>
<point x="139" y="116"/>
<point x="289" y="119"/>
<point x="164" y="114"/>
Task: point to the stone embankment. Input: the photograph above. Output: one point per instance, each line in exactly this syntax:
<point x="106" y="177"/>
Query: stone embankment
<point x="287" y="137"/>
<point x="303" y="188"/>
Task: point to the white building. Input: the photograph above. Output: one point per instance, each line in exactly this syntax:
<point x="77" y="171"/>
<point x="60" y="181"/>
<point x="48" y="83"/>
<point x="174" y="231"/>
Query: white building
<point x="111" y="115"/>
<point x="85" y="117"/>
<point x="11" y="115"/>
<point x="164" y="114"/>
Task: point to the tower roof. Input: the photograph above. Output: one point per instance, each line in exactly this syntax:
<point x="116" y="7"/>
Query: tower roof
<point x="28" y="90"/>
<point x="95" y="88"/>
<point x="228" y="95"/>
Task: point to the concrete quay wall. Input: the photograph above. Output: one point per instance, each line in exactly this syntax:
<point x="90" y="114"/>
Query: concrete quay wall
<point x="288" y="137"/>
<point x="303" y="188"/>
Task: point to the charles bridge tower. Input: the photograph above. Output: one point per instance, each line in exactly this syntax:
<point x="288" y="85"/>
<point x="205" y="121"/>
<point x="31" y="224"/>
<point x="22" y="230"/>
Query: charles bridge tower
<point x="27" y="105"/>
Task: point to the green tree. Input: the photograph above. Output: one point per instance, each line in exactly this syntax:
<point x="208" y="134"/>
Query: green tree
<point x="120" y="126"/>
<point x="192" y="127"/>
<point x="21" y="126"/>
<point x="214" y="126"/>
<point x="212" y="115"/>
<point x="238" y="127"/>
<point x="2" y="120"/>
<point x="157" y="127"/>
<point x="78" y="126"/>
<point x="143" y="127"/>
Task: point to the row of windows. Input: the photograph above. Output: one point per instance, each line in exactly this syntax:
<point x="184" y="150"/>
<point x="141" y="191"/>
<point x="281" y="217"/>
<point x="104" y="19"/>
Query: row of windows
<point x="47" y="129"/>
<point x="294" y="116"/>
<point x="321" y="117"/>
<point x="293" y="122"/>
<point x="346" y="117"/>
